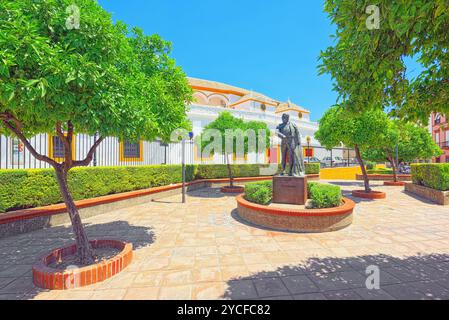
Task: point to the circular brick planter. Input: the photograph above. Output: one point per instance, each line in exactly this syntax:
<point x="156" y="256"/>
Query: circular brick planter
<point x="373" y="195"/>
<point x="235" y="189"/>
<point x="394" y="184"/>
<point x="53" y="279"/>
<point x="297" y="220"/>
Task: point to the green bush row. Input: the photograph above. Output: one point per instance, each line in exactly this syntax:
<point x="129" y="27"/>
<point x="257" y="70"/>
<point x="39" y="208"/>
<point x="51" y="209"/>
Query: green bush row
<point x="370" y="165"/>
<point x="38" y="187"/>
<point x="259" y="192"/>
<point x="313" y="168"/>
<point x="214" y="171"/>
<point x="32" y="188"/>
<point x="431" y="175"/>
<point x="322" y="195"/>
<point x="380" y="171"/>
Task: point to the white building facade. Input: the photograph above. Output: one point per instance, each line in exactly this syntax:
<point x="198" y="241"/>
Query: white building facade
<point x="210" y="99"/>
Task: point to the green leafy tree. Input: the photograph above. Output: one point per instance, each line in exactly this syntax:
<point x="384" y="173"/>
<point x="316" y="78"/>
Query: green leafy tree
<point x="369" y="64"/>
<point x="403" y="142"/>
<point x="61" y="76"/>
<point x="358" y="131"/>
<point x="232" y="130"/>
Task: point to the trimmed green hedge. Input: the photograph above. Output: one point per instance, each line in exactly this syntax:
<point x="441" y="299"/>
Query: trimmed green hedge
<point x="431" y="175"/>
<point x="370" y="165"/>
<point x="313" y="168"/>
<point x="21" y="189"/>
<point x="380" y="171"/>
<point x="324" y="195"/>
<point x="259" y="192"/>
<point x="33" y="188"/>
<point x="215" y="171"/>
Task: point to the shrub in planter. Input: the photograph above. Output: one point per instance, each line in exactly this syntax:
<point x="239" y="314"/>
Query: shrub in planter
<point x="380" y="171"/>
<point x="370" y="165"/>
<point x="431" y="175"/>
<point x="218" y="171"/>
<point x="313" y="168"/>
<point x="259" y="192"/>
<point x="324" y="195"/>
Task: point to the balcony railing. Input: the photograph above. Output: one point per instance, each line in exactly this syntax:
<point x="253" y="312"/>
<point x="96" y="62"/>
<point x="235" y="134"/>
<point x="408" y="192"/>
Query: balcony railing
<point x="444" y="144"/>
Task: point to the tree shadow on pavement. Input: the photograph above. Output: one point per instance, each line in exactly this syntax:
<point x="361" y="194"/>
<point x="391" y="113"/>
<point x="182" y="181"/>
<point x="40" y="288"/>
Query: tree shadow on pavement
<point x="413" y="278"/>
<point x="19" y="253"/>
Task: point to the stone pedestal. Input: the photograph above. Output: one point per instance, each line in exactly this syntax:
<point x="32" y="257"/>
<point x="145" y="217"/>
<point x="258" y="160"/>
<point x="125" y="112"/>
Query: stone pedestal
<point x="290" y="190"/>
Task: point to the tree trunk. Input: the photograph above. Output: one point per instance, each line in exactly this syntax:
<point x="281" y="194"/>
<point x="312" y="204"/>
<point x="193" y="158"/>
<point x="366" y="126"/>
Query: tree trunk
<point x="231" y="178"/>
<point x="362" y="166"/>
<point x="394" y="167"/>
<point x="84" y="249"/>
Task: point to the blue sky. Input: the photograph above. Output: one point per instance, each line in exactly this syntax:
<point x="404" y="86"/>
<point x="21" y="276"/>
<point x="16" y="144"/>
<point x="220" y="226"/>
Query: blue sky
<point x="269" y="46"/>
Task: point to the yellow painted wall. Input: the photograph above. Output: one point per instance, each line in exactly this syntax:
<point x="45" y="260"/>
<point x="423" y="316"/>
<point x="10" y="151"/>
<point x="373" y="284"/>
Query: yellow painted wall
<point x="342" y="173"/>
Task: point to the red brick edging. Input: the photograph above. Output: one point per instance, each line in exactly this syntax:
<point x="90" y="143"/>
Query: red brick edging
<point x="348" y="206"/>
<point x="385" y="177"/>
<point x="297" y="220"/>
<point x="373" y="195"/>
<point x="394" y="184"/>
<point x="49" y="278"/>
<point x="235" y="189"/>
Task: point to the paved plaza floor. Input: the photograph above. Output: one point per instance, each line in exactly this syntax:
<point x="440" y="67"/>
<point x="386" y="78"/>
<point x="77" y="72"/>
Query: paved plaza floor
<point x="202" y="250"/>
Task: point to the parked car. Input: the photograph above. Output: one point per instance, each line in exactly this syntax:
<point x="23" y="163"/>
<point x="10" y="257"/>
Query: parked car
<point x="404" y="169"/>
<point x="334" y="161"/>
<point x="311" y="160"/>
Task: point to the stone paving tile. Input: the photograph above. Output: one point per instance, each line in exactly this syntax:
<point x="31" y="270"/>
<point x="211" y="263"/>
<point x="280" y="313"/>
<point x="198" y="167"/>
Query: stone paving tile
<point x="270" y="287"/>
<point x="431" y="289"/>
<point x="310" y="296"/>
<point x="241" y="290"/>
<point x="404" y="291"/>
<point x="175" y="293"/>
<point x="367" y="294"/>
<point x="146" y="293"/>
<point x="183" y="252"/>
<point x="110" y="294"/>
<point x="342" y="295"/>
<point x="281" y="298"/>
<point x="299" y="284"/>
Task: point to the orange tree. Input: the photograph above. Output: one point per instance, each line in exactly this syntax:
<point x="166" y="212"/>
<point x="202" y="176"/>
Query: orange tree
<point x="403" y="142"/>
<point x="359" y="131"/>
<point x="62" y="76"/>
<point x="373" y="42"/>
<point x="230" y="132"/>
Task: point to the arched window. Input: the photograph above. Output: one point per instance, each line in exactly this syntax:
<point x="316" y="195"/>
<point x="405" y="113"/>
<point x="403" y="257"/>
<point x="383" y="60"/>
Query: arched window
<point x="200" y="98"/>
<point x="218" y="101"/>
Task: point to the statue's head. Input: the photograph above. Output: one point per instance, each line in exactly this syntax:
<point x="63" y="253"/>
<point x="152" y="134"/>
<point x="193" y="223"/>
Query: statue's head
<point x="285" y="118"/>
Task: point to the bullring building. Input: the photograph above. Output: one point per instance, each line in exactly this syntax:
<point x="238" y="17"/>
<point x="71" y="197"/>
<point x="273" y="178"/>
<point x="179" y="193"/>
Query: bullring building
<point x="210" y="98"/>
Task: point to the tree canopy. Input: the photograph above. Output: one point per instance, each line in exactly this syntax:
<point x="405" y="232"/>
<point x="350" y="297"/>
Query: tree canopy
<point x="369" y="65"/>
<point x="66" y="68"/>
<point x="103" y="77"/>
<point x="233" y="129"/>
<point x="359" y="131"/>
<point x="409" y="140"/>
<point x="363" y="130"/>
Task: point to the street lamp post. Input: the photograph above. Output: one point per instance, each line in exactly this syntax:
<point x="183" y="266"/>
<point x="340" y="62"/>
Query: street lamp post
<point x="308" y="148"/>
<point x="183" y="170"/>
<point x="184" y="167"/>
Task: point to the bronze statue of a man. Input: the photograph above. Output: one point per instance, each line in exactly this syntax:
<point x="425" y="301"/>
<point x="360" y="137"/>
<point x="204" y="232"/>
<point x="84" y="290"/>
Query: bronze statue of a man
<point x="291" y="147"/>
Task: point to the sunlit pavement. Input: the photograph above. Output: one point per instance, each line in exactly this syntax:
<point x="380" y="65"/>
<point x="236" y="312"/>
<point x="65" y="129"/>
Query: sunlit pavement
<point x="202" y="250"/>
